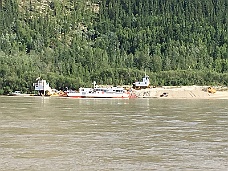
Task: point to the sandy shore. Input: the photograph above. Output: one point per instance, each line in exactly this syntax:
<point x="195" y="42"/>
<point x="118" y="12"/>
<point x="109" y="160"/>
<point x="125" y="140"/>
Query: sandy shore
<point x="183" y="92"/>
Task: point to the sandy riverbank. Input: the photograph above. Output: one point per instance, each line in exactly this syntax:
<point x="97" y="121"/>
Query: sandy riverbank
<point x="183" y="92"/>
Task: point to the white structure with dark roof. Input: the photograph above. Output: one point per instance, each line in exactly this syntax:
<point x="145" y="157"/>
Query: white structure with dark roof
<point x="145" y="83"/>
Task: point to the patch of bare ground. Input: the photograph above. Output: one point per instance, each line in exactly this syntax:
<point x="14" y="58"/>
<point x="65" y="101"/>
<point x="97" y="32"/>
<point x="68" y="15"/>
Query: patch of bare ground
<point x="183" y="92"/>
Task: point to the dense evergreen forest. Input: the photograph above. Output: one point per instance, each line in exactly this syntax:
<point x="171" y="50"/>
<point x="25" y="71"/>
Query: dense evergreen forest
<point x="71" y="43"/>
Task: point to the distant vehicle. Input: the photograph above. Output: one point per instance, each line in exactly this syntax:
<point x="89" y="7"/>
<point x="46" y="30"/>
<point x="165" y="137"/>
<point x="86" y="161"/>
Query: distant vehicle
<point x="164" y="95"/>
<point x="211" y="90"/>
<point x="15" y="93"/>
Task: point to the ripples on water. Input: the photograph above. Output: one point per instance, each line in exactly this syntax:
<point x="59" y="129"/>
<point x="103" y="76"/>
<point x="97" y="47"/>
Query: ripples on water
<point x="113" y="134"/>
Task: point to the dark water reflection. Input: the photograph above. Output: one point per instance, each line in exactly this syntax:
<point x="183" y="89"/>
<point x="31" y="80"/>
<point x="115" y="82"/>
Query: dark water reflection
<point x="106" y="134"/>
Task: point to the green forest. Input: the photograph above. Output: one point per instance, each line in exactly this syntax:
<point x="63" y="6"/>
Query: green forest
<point x="71" y="43"/>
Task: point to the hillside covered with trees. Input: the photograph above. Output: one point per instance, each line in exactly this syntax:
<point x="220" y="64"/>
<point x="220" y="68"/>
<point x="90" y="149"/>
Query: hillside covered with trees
<point x="73" y="43"/>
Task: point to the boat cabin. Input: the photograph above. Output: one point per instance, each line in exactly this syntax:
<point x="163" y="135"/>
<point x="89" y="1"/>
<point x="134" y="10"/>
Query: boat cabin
<point x="116" y="90"/>
<point x="109" y="89"/>
<point x="145" y="83"/>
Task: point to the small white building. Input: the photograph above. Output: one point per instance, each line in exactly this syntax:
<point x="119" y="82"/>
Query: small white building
<point x="42" y="86"/>
<point x="145" y="83"/>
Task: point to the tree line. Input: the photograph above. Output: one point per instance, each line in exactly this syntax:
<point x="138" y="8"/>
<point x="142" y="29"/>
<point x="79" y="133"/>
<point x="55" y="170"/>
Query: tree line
<point x="73" y="43"/>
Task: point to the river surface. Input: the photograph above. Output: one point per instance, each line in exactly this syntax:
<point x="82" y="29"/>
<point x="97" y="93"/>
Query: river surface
<point x="46" y="133"/>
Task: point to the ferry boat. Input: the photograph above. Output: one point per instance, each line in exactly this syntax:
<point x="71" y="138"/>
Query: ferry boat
<point x="78" y="94"/>
<point x="100" y="92"/>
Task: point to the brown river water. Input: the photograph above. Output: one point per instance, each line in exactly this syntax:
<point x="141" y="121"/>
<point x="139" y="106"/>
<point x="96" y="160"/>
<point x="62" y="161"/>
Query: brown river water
<point x="46" y="133"/>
